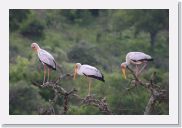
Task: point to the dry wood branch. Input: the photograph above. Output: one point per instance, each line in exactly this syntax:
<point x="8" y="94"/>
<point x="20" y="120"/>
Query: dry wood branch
<point x="156" y="94"/>
<point x="60" y="91"/>
<point x="100" y="103"/>
<point x="46" y="111"/>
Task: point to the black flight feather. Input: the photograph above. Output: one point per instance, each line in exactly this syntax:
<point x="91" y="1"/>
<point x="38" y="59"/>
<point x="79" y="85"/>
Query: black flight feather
<point x="49" y="65"/>
<point x="96" y="77"/>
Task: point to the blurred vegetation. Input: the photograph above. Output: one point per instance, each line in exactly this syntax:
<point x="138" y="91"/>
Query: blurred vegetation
<point x="101" y="38"/>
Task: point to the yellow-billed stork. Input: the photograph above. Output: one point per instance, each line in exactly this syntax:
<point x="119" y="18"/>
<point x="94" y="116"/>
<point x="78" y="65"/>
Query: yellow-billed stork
<point x="45" y="58"/>
<point x="89" y="72"/>
<point x="137" y="59"/>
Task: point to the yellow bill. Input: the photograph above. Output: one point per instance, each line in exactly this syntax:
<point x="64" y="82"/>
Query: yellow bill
<point x="124" y="72"/>
<point x="75" y="72"/>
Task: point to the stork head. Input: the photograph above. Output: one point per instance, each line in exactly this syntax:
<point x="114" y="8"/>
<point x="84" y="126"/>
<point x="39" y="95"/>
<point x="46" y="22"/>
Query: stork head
<point x="76" y="68"/>
<point x="123" y="69"/>
<point x="35" y="47"/>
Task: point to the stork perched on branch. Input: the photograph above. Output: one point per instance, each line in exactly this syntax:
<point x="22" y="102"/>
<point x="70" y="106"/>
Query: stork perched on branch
<point x="138" y="59"/>
<point x="89" y="72"/>
<point x="45" y="58"/>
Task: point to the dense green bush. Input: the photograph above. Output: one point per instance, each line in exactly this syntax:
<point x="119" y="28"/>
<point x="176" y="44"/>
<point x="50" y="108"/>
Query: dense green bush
<point x="33" y="29"/>
<point x="82" y="53"/>
<point x="16" y="17"/>
<point x="79" y="16"/>
<point x="24" y="99"/>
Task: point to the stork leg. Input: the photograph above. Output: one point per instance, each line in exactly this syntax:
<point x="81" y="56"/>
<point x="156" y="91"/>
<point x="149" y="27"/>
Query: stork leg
<point x="48" y="74"/>
<point x="89" y="85"/>
<point x="89" y="89"/>
<point x="136" y="71"/>
<point x="143" y="67"/>
<point x="44" y="73"/>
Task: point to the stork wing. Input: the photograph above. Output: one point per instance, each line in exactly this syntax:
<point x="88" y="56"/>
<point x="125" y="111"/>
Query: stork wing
<point x="136" y="56"/>
<point x="47" y="58"/>
<point x="91" y="71"/>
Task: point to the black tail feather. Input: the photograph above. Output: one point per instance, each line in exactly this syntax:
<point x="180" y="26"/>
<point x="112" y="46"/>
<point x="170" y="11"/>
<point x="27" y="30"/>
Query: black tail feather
<point x="96" y="77"/>
<point x="150" y="59"/>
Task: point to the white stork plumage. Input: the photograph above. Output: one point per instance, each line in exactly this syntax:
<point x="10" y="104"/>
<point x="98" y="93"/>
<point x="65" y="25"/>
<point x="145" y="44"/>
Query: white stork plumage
<point x="46" y="58"/>
<point x="89" y="72"/>
<point x="137" y="59"/>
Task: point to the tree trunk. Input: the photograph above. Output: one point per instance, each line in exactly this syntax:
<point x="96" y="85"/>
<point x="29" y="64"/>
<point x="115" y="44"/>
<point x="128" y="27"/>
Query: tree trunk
<point x="150" y="105"/>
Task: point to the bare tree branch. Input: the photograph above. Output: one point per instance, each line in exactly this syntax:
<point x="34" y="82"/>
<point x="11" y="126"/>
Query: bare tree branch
<point x="60" y="91"/>
<point x="99" y="103"/>
<point x="156" y="94"/>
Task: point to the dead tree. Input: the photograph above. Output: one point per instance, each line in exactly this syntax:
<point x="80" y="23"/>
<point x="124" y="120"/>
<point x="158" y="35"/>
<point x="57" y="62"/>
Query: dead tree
<point x="156" y="93"/>
<point x="59" y="91"/>
<point x="96" y="102"/>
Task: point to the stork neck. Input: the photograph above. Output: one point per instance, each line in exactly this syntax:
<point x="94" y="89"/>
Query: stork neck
<point x="38" y="50"/>
<point x="127" y="60"/>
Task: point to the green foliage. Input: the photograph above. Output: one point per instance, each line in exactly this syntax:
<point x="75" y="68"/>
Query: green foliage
<point x="100" y="38"/>
<point x="150" y="21"/>
<point x="83" y="110"/>
<point x="18" y="46"/>
<point x="32" y="28"/>
<point x="24" y="99"/>
<point x="79" y="16"/>
<point x="19" y="70"/>
<point x="82" y="53"/>
<point x="159" y="19"/>
<point x="16" y="17"/>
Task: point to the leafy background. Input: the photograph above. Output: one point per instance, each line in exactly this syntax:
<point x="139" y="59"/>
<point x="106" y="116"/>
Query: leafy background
<point x="98" y="37"/>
